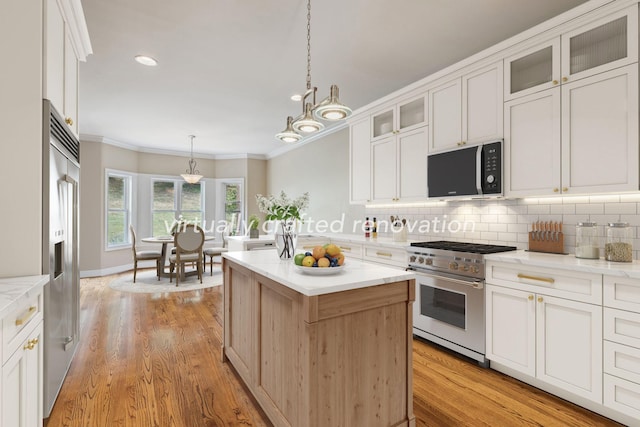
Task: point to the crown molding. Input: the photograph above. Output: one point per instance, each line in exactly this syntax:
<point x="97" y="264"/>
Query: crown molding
<point x="73" y="15"/>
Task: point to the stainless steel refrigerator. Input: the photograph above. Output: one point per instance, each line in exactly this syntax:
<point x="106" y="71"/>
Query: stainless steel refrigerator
<point x="60" y="260"/>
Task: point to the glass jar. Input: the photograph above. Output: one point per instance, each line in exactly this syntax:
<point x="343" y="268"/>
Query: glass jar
<point x="619" y="246"/>
<point x="587" y="242"/>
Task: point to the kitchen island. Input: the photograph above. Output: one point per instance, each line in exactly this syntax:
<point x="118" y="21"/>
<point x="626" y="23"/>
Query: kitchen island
<point x="321" y="350"/>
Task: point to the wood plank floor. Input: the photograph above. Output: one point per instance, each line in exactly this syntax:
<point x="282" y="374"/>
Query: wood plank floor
<point x="154" y="360"/>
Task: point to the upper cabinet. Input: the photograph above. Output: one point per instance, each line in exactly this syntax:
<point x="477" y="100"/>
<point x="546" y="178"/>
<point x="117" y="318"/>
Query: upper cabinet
<point x="66" y="42"/>
<point x="403" y="116"/>
<point x="360" y="161"/>
<point x="598" y="46"/>
<point x="467" y="110"/>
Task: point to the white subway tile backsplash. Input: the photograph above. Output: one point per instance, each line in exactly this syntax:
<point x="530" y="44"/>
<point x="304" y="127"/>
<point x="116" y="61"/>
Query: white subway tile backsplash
<point x="562" y="209"/>
<point x="538" y="209"/>
<point x="604" y="199"/>
<point x="588" y="209"/>
<point x="498" y="227"/>
<point x="489" y="235"/>
<point x="630" y="197"/>
<point x="620" y="208"/>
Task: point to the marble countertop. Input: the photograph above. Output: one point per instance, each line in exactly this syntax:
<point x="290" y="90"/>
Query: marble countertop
<point x="357" y="238"/>
<point x="355" y="274"/>
<point x="17" y="290"/>
<point x="569" y="262"/>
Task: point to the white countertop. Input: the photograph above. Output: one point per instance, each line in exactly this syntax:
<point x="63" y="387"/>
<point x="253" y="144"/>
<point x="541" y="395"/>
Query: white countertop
<point x="569" y="262"/>
<point x="358" y="238"/>
<point x="15" y="290"/>
<point x="262" y="237"/>
<point x="356" y="274"/>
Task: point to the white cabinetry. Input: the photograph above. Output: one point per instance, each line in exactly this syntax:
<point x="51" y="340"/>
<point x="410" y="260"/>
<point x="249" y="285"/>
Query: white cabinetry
<point x="467" y="110"/>
<point x="547" y="324"/>
<point x="360" y="161"/>
<point x="622" y="345"/>
<point x="583" y="137"/>
<point x="22" y="365"/>
<point x="60" y="66"/>
<point x="349" y="249"/>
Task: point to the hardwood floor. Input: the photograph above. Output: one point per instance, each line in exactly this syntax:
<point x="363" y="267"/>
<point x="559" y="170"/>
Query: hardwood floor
<point x="154" y="360"/>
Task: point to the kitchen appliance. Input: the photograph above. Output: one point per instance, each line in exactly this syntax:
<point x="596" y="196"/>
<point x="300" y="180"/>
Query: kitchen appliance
<point x="466" y="172"/>
<point x="449" y="304"/>
<point x="60" y="204"/>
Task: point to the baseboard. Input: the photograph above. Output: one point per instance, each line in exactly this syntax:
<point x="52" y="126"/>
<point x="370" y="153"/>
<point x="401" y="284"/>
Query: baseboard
<point x="113" y="270"/>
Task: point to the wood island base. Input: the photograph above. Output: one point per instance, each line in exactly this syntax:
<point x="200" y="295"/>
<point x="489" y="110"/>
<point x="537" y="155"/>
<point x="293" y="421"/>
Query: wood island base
<point x="337" y="359"/>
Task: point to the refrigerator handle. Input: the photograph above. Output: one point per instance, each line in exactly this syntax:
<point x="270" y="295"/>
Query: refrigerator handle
<point x="75" y="327"/>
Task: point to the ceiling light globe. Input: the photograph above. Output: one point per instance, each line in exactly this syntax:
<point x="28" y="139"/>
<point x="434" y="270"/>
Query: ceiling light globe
<point x="191" y="179"/>
<point x="288" y="135"/>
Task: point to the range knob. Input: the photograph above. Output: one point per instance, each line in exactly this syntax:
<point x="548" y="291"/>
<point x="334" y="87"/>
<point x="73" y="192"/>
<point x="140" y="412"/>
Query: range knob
<point x="428" y="261"/>
<point x="421" y="260"/>
<point x="412" y="258"/>
<point x="465" y="268"/>
<point x="474" y="269"/>
<point x="453" y="266"/>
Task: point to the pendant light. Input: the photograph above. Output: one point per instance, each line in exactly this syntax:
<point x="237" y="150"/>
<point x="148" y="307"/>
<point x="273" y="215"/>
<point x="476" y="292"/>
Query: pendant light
<point x="330" y="109"/>
<point x="193" y="175"/>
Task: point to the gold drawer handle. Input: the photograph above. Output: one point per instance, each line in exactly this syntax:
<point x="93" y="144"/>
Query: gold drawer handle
<point x="31" y="344"/>
<point x="69" y="121"/>
<point x="345" y="248"/>
<point x="22" y="320"/>
<point x="384" y="254"/>
<point x="308" y="247"/>
<point x="541" y="279"/>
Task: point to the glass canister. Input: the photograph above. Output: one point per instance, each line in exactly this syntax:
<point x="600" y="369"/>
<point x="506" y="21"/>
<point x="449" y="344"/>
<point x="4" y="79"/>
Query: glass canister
<point x="619" y="246"/>
<point x="587" y="242"/>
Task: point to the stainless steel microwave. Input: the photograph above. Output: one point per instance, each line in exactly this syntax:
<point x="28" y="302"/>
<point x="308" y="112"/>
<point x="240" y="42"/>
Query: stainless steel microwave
<point x="466" y="172"/>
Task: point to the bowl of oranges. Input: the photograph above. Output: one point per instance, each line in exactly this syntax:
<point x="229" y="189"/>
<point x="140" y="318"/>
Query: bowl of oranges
<point x="321" y="260"/>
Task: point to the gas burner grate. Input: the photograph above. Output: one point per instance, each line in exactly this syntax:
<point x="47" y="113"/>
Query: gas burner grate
<point x="477" y="248"/>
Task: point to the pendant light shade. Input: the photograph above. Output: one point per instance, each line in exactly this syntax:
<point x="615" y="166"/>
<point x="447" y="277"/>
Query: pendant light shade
<point x="193" y="175"/>
<point x="289" y="135"/>
<point x="331" y="108"/>
<point x="307" y="124"/>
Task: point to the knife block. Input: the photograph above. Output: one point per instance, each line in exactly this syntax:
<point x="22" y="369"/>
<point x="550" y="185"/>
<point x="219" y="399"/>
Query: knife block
<point x="548" y="243"/>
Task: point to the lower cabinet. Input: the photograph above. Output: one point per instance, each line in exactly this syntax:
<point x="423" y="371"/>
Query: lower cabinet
<point x="555" y="340"/>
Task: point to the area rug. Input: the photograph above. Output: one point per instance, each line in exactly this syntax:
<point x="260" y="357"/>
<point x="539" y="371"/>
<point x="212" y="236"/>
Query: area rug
<point x="147" y="282"/>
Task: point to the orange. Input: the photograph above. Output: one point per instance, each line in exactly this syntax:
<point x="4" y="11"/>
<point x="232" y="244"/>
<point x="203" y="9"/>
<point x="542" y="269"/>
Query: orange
<point x="324" y="262"/>
<point x="340" y="259"/>
<point x="318" y="252"/>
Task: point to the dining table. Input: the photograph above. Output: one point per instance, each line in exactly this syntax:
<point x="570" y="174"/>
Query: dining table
<point x="165" y="240"/>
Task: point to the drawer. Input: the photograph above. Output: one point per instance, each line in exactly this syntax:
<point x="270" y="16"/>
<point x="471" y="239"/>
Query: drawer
<point x="384" y="255"/>
<point x="622" y="396"/>
<point x="19" y="323"/>
<point x="622" y="361"/>
<point x="622" y="293"/>
<point x="307" y="244"/>
<point x="622" y="327"/>
<point x="573" y="285"/>
<point x="349" y="249"/>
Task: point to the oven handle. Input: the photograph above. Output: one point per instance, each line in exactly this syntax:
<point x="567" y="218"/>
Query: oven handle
<point x="477" y="284"/>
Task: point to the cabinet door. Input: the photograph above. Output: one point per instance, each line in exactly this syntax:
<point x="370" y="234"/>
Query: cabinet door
<point x="601" y="45"/>
<point x="412" y="113"/>
<point x="482" y="108"/>
<point x="532" y="144"/>
<point x="534" y="69"/>
<point x="412" y="169"/>
<point x="569" y="346"/>
<point x="511" y="328"/>
<point x="383" y="123"/>
<point x="70" y="85"/>
<point x="22" y="384"/>
<point x="445" y="116"/>
<point x="360" y="162"/>
<point x="384" y="165"/>
<point x="54" y="60"/>
<point x="600" y="132"/>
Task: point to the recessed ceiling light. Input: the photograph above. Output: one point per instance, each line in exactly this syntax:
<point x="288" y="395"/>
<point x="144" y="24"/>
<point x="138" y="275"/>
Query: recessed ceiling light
<point x="296" y="97"/>
<point x="146" y="60"/>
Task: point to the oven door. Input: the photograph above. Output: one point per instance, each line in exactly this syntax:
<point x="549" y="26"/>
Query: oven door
<point x="449" y="310"/>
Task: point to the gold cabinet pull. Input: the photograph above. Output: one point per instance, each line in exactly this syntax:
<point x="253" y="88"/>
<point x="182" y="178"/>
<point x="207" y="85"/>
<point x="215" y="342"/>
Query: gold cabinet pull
<point x="540" y="299"/>
<point x="530" y="297"/>
<point x="565" y="79"/>
<point x="308" y="247"/>
<point x="345" y="248"/>
<point x="565" y="189"/>
<point x="541" y="279"/>
<point x="30" y="345"/>
<point x="387" y="254"/>
<point x="555" y="190"/>
<point x="69" y="121"/>
<point x="555" y="82"/>
<point x="22" y="320"/>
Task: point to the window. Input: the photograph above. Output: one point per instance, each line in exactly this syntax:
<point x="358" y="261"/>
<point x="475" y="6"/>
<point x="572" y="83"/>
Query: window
<point x="118" y="209"/>
<point x="233" y="207"/>
<point x="172" y="198"/>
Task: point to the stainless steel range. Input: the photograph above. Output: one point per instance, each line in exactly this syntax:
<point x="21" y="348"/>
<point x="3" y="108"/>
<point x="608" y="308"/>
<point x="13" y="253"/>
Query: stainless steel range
<point x="449" y="307"/>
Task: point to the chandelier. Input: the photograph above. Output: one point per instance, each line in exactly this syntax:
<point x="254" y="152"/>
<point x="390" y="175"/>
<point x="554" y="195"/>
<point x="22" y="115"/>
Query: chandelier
<point x="193" y="175"/>
<point x="329" y="109"/>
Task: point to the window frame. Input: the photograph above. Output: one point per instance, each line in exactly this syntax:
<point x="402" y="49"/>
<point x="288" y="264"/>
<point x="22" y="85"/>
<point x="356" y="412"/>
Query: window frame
<point x="221" y="202"/>
<point x="177" y="198"/>
<point x="128" y="210"/>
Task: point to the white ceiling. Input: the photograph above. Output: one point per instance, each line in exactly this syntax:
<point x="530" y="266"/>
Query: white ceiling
<point x="227" y="67"/>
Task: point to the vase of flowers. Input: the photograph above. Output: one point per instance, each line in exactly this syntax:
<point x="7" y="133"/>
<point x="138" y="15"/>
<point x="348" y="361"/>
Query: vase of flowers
<point x="285" y="213"/>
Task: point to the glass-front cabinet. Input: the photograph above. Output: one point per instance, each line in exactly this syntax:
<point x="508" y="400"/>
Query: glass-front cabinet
<point x="405" y="115"/>
<point x="598" y="46"/>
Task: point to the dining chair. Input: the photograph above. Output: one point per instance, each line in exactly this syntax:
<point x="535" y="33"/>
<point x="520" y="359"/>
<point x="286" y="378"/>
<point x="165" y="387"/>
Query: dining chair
<point x="143" y="256"/>
<point x="188" y="244"/>
<point x="213" y="252"/>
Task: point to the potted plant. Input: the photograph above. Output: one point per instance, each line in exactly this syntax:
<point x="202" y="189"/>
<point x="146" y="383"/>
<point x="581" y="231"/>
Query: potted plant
<point x="254" y="222"/>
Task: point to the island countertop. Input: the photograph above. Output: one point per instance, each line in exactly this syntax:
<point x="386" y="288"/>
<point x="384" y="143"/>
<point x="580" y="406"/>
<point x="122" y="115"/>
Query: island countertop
<point x="355" y="275"/>
<point x="16" y="290"/>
